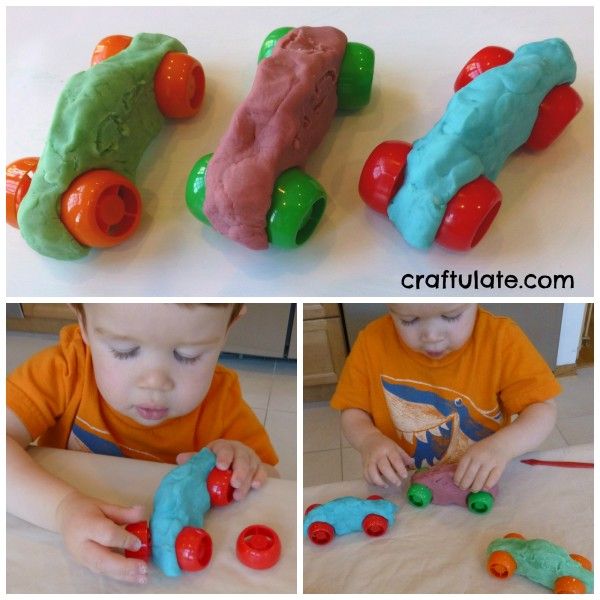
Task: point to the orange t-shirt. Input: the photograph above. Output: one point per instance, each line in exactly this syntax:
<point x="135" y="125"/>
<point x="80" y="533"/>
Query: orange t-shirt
<point x="56" y="397"/>
<point x="435" y="408"/>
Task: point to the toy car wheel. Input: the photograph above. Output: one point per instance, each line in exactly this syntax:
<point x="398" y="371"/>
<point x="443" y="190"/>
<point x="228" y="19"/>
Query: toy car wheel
<point x="374" y="525"/>
<point x="419" y="495"/>
<point x="219" y="487"/>
<point x="179" y="85"/>
<point x="487" y="58"/>
<point x="18" y="180"/>
<point x="514" y="535"/>
<point x="258" y="547"/>
<point x="569" y="585"/>
<point x="142" y="531"/>
<point x="375" y="497"/>
<point x="101" y="208"/>
<point x="195" y="190"/>
<point x="297" y="205"/>
<point x="383" y="174"/>
<point x="582" y="560"/>
<point x="109" y="46"/>
<point x="356" y="77"/>
<point x="556" y="111"/>
<point x="193" y="548"/>
<point x="310" y="507"/>
<point x="469" y="215"/>
<point x="320" y="533"/>
<point x="501" y="564"/>
<point x="271" y="40"/>
<point x="480" y="502"/>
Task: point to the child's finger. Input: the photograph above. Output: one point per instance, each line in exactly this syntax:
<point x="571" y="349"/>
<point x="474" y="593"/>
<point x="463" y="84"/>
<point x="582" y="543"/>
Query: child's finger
<point x="122" y="515"/>
<point x="259" y="477"/>
<point x="461" y="469"/>
<point x="387" y="469"/>
<point x="480" y="478"/>
<point x="107" y="533"/>
<point x="183" y="457"/>
<point x="469" y="475"/>
<point x="375" y="476"/>
<point x="241" y="470"/>
<point x="101" y="560"/>
<point x="493" y="478"/>
<point x="225" y="454"/>
<point x="397" y="463"/>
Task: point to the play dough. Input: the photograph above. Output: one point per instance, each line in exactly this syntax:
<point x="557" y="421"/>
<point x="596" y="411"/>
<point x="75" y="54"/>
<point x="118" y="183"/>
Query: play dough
<point x="105" y="118"/>
<point x="484" y="123"/>
<point x="284" y="118"/>
<point x="346" y="514"/>
<point x="181" y="500"/>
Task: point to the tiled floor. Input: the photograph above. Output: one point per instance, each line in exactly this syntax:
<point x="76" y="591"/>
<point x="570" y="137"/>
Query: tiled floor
<point x="269" y="387"/>
<point x="328" y="457"/>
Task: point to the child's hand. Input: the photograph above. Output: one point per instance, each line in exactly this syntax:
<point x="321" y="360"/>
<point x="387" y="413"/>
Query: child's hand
<point x="90" y="528"/>
<point x="383" y="460"/>
<point x="248" y="470"/>
<point x="481" y="466"/>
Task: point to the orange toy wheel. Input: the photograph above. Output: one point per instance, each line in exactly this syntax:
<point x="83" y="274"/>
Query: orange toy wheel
<point x="582" y="560"/>
<point x="501" y="564"/>
<point x="101" y="208"/>
<point x="179" y="85"/>
<point x="569" y="585"/>
<point x="514" y="535"/>
<point x="18" y="180"/>
<point x="109" y="46"/>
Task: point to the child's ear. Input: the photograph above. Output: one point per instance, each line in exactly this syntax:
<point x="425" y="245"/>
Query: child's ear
<point x="80" y="321"/>
<point x="241" y="312"/>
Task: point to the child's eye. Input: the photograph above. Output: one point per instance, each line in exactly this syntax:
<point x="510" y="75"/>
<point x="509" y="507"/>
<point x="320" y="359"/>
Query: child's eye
<point x="186" y="360"/>
<point x="450" y="319"/>
<point x="125" y="354"/>
<point x="411" y="322"/>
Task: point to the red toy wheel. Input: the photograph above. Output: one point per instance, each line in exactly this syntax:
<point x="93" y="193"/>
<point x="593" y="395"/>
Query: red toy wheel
<point x="258" y="547"/>
<point x="487" y="58"/>
<point x="109" y="46"/>
<point x="193" y="547"/>
<point x="101" y="208"/>
<point x="18" y="180"/>
<point x="374" y="525"/>
<point x="219" y="487"/>
<point x="383" y="174"/>
<point x="375" y="497"/>
<point x="469" y="215"/>
<point x="557" y="110"/>
<point x="501" y="564"/>
<point x="179" y="85"/>
<point x="309" y="508"/>
<point x="320" y="533"/>
<point x="569" y="585"/>
<point x="142" y="531"/>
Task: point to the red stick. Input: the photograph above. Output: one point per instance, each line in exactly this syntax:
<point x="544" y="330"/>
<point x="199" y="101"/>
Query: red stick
<point x="559" y="463"/>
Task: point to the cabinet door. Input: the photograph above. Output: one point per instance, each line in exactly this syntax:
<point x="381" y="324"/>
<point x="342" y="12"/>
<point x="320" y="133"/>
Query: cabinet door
<point x="324" y="351"/>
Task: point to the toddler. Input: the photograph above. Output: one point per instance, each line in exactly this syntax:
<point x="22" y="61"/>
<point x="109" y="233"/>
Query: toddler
<point x="431" y="383"/>
<point x="135" y="380"/>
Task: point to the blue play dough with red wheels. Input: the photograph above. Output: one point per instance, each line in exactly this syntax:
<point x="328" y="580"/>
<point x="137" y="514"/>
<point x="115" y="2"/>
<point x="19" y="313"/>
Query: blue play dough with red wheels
<point x="485" y="122"/>
<point x="181" y="500"/>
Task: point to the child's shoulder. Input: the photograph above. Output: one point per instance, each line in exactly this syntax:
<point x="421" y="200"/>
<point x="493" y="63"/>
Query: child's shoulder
<point x="497" y="325"/>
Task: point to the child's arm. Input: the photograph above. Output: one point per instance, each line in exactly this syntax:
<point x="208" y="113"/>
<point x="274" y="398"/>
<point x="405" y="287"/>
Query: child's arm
<point x="383" y="460"/>
<point x="87" y="525"/>
<point x="484" y="462"/>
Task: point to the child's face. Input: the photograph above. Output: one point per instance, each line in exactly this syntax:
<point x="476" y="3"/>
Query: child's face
<point x="154" y="362"/>
<point x="434" y="329"/>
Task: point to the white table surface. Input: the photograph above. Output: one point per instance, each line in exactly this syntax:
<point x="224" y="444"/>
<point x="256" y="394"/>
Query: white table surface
<point x="545" y="226"/>
<point x="37" y="561"/>
<point x="442" y="549"/>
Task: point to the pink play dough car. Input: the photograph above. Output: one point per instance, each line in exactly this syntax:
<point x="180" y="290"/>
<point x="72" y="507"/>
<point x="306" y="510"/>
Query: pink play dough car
<point x="254" y="190"/>
<point x="436" y="485"/>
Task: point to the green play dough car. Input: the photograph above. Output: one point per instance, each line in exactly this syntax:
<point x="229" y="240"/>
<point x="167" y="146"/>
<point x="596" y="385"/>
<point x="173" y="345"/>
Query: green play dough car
<point x="542" y="562"/>
<point x="80" y="194"/>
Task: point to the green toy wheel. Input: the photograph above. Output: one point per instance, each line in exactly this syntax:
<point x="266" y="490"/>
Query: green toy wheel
<point x="480" y="502"/>
<point x="271" y="41"/>
<point x="419" y="495"/>
<point x="356" y="77"/>
<point x="297" y="205"/>
<point x="195" y="189"/>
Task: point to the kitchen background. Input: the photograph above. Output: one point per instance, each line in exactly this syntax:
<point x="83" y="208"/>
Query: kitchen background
<point x="563" y="334"/>
<point x="261" y="348"/>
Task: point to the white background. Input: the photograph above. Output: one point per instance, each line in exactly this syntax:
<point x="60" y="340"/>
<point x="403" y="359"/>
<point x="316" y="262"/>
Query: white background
<point x="544" y="227"/>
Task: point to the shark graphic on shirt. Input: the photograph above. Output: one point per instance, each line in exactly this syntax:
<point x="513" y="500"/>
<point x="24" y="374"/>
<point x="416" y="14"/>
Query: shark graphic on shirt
<point x="434" y="423"/>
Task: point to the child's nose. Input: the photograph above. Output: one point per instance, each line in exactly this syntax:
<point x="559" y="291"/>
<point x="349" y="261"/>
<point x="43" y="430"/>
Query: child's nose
<point x="157" y="379"/>
<point x="431" y="334"/>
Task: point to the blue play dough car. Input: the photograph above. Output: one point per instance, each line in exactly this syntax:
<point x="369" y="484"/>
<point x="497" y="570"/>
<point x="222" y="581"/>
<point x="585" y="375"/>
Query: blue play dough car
<point x="441" y="187"/>
<point x="346" y="515"/>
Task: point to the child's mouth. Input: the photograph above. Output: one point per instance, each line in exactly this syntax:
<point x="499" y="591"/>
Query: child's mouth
<point x="435" y="354"/>
<point x="151" y="414"/>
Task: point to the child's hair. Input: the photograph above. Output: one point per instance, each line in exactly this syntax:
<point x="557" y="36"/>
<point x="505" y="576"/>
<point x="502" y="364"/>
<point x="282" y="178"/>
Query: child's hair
<point x="235" y="311"/>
